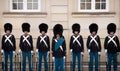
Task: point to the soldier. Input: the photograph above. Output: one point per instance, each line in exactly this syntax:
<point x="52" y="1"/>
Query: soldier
<point x="26" y="46"/>
<point x="94" y="47"/>
<point x="58" y="47"/>
<point x="43" y="46"/>
<point x="8" y="46"/>
<point x="76" y="46"/>
<point x="112" y="47"/>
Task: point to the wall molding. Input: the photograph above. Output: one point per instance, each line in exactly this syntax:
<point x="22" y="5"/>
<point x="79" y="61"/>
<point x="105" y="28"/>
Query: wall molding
<point x="24" y="14"/>
<point x="93" y="14"/>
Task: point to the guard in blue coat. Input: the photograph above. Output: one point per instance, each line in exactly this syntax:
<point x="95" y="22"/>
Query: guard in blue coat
<point x="43" y="46"/>
<point x="94" y="47"/>
<point x="58" y="48"/>
<point x="112" y="47"/>
<point x="8" y="46"/>
<point x="76" y="46"/>
<point x="26" y="46"/>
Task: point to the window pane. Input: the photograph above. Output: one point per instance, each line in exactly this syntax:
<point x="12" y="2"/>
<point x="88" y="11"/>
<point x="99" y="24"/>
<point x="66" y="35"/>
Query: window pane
<point x="103" y="6"/>
<point x="97" y="0"/>
<point x="29" y="0"/>
<point x="88" y="0"/>
<point x="20" y="5"/>
<point x="97" y="6"/>
<point x="29" y="6"/>
<point x="14" y="0"/>
<point x="82" y="5"/>
<point x="82" y="0"/>
<point x="103" y="0"/>
<point x="20" y="0"/>
<point x="88" y="5"/>
<point x="35" y="0"/>
<point x="35" y="5"/>
<point x="14" y="5"/>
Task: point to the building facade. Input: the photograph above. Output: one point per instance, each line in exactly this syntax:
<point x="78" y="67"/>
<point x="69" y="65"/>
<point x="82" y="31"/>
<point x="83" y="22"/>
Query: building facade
<point x="65" y="12"/>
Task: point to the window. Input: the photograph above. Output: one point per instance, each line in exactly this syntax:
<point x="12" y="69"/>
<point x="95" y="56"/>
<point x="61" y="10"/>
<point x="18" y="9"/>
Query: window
<point x="93" y="5"/>
<point x="25" y="5"/>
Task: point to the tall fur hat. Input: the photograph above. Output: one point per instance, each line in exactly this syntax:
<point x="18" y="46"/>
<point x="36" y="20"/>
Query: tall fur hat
<point x="76" y="27"/>
<point x="8" y="26"/>
<point x="26" y="27"/>
<point x="111" y="28"/>
<point x="43" y="27"/>
<point x="58" y="29"/>
<point x="93" y="27"/>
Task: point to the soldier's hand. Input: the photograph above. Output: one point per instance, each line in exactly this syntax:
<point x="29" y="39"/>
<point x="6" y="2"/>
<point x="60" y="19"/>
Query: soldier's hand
<point x="36" y="50"/>
<point x="53" y="58"/>
<point x="82" y="53"/>
<point x="71" y="50"/>
<point x="99" y="53"/>
<point x="19" y="50"/>
<point x="13" y="52"/>
<point x="89" y="50"/>
<point x="2" y="51"/>
<point x="32" y="52"/>
<point x="105" y="50"/>
<point x="64" y="57"/>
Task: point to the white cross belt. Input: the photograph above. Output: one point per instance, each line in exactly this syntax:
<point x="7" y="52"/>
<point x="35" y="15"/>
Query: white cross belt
<point x="76" y="39"/>
<point x="43" y="39"/>
<point x="8" y="39"/>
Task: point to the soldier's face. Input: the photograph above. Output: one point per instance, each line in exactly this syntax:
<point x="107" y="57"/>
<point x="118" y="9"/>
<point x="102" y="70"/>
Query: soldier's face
<point x="25" y="32"/>
<point x="111" y="33"/>
<point x="93" y="33"/>
<point x="57" y="36"/>
<point x="43" y="32"/>
<point x="8" y="32"/>
<point x="76" y="32"/>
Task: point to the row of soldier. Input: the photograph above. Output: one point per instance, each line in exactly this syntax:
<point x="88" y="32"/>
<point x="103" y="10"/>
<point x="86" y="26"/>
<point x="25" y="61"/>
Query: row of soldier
<point x="111" y="46"/>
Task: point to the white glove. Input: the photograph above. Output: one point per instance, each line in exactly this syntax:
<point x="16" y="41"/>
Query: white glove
<point x="13" y="52"/>
<point x="89" y="50"/>
<point x="99" y="53"/>
<point x="64" y="57"/>
<point x="53" y="58"/>
<point x="2" y="51"/>
<point x="71" y="50"/>
<point x="82" y="53"/>
<point x="32" y="52"/>
<point x="19" y="50"/>
<point x="36" y="50"/>
<point x="105" y="50"/>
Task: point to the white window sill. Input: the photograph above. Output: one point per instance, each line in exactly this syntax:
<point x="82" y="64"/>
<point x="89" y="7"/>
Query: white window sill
<point x="24" y="14"/>
<point x="93" y="14"/>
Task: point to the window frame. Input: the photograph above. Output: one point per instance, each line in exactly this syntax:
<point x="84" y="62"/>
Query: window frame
<point x="25" y="7"/>
<point x="93" y="7"/>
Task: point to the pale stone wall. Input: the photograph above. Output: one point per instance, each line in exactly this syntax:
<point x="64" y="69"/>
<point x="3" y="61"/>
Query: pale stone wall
<point x="64" y="12"/>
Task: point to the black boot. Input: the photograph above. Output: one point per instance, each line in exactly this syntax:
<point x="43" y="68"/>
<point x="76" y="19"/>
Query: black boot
<point x="46" y="70"/>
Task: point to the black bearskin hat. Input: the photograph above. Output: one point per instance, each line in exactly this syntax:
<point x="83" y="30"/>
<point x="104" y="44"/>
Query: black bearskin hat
<point x="43" y="27"/>
<point x="111" y="28"/>
<point x="26" y="27"/>
<point x="93" y="27"/>
<point x="76" y="27"/>
<point x="8" y="26"/>
<point x="58" y="29"/>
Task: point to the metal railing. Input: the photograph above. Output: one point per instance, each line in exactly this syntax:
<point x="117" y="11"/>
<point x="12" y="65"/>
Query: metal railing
<point x="17" y="64"/>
